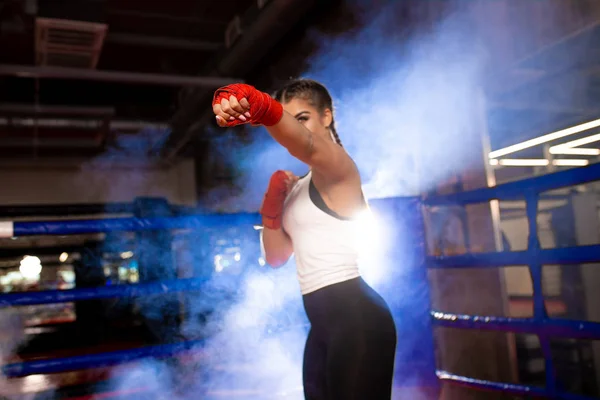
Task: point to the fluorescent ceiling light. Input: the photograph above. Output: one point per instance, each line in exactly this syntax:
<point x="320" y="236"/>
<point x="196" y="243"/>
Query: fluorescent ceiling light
<point x="570" y="163"/>
<point x="538" y="162"/>
<point x="544" y="139"/>
<point x="574" y="152"/>
<point x="521" y="162"/>
<point x="576" y="143"/>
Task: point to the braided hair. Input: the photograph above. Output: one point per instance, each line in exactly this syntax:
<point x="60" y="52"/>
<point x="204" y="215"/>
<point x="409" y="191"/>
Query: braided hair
<point x="313" y="92"/>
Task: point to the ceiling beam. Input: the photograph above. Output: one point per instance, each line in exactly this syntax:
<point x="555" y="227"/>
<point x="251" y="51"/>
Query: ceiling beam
<point x="165" y="17"/>
<point x="91" y="124"/>
<point x="12" y="160"/>
<point x="261" y="30"/>
<point x="579" y="44"/>
<point x="25" y="71"/>
<point x="50" y="143"/>
<point x="549" y="108"/>
<point x="32" y="109"/>
<point x="163" y="42"/>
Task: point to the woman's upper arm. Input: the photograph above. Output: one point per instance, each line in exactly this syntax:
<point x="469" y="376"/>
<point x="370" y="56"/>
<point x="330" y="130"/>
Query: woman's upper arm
<point x="320" y="152"/>
<point x="331" y="161"/>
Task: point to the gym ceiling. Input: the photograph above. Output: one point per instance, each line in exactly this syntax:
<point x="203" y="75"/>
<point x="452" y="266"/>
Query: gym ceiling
<point x="82" y="78"/>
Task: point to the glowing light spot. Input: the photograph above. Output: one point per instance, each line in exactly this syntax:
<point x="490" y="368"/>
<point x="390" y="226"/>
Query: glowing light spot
<point x="126" y="254"/>
<point x="123" y="273"/>
<point x="30" y="267"/>
<point x="372" y="242"/>
<point x="219" y="265"/>
<point x="63" y="257"/>
<point x="68" y="276"/>
<point x="134" y="276"/>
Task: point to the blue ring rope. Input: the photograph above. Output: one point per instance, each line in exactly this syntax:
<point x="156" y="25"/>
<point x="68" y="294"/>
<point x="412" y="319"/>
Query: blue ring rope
<point x="519" y="390"/>
<point x="516" y="190"/>
<point x="550" y="327"/>
<point x="562" y="255"/>
<point x="101" y="292"/>
<point x="76" y="227"/>
<point x="63" y="364"/>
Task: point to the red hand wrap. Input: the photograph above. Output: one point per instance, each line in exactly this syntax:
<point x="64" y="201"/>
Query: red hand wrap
<point x="272" y="206"/>
<point x="264" y="109"/>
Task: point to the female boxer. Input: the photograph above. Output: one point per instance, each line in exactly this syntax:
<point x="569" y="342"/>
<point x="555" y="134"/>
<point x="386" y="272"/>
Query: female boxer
<point x="350" y="349"/>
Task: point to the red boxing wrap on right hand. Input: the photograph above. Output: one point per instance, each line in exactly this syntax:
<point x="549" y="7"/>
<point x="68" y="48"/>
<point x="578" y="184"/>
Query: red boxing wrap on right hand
<point x="272" y="206"/>
<point x="264" y="110"/>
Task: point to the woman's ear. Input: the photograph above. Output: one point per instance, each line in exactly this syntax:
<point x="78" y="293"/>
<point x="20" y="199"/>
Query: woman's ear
<point x="327" y="118"/>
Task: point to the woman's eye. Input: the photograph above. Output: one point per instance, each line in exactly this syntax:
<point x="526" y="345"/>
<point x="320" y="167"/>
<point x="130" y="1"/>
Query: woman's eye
<point x="302" y="119"/>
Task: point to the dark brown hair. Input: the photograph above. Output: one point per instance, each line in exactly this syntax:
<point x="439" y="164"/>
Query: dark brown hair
<point x="313" y="92"/>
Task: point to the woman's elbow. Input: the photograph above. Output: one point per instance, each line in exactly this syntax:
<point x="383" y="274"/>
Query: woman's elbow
<point x="275" y="262"/>
<point x="277" y="259"/>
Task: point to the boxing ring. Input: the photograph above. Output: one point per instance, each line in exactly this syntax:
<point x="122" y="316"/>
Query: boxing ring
<point x="422" y="320"/>
<point x="534" y="257"/>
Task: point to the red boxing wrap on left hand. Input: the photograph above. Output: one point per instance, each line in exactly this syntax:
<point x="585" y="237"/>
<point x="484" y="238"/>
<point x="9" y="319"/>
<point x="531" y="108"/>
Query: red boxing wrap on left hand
<point x="264" y="110"/>
<point x="272" y="206"/>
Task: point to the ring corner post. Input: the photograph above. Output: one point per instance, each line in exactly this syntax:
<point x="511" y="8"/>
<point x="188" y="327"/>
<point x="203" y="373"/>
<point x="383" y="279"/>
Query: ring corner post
<point x="155" y="262"/>
<point x="408" y="294"/>
<point x="90" y="314"/>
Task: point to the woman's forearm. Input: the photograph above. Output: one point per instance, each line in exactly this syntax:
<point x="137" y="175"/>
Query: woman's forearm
<point x="234" y="104"/>
<point x="277" y="246"/>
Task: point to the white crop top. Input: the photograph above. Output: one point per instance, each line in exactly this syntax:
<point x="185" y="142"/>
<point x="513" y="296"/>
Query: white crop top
<point x="325" y="246"/>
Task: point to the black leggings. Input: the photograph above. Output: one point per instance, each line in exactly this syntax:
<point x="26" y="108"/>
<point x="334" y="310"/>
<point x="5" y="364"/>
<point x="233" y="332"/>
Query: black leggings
<point x="351" y="345"/>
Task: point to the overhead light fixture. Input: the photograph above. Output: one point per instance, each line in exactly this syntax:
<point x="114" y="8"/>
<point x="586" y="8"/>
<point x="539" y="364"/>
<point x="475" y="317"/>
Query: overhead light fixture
<point x="520" y="162"/>
<point x="575" y="152"/>
<point x="570" y="163"/>
<point x="576" y="143"/>
<point x="538" y="162"/>
<point x="544" y="139"/>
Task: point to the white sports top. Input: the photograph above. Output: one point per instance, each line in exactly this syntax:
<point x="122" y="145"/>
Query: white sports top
<point x="324" y="244"/>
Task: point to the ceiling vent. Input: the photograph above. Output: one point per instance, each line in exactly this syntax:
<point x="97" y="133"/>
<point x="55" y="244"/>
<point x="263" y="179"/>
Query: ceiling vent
<point x="64" y="43"/>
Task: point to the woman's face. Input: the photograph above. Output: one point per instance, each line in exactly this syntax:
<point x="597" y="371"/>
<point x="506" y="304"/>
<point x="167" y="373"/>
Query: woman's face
<point x="310" y="117"/>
